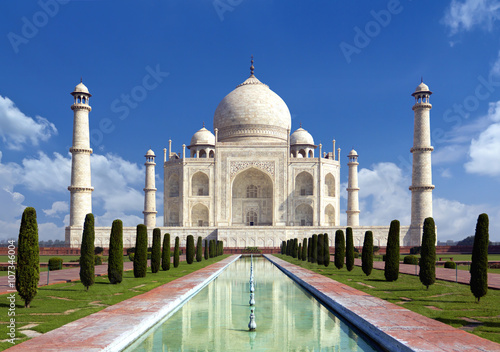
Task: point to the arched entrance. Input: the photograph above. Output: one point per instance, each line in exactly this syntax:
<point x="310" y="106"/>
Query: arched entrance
<point x="252" y="199"/>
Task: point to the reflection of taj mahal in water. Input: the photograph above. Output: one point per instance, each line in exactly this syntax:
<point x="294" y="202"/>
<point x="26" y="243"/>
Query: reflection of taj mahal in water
<point x="251" y="182"/>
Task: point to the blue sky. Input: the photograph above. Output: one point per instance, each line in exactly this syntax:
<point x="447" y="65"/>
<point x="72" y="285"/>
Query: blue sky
<point x="346" y="71"/>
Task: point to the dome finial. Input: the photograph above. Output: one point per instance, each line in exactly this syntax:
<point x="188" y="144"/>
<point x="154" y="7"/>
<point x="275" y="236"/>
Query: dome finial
<point x="251" y="67"/>
<point x="421" y="79"/>
<point x="81" y="79"/>
<point x="300" y="125"/>
<point x="203" y="124"/>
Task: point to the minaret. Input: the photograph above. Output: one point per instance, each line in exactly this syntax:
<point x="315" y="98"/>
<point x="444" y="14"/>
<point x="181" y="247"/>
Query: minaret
<point x="352" y="190"/>
<point x="421" y="178"/>
<point x="150" y="191"/>
<point x="81" y="189"/>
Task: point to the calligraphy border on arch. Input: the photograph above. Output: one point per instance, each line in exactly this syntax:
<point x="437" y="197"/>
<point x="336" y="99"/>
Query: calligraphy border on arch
<point x="236" y="166"/>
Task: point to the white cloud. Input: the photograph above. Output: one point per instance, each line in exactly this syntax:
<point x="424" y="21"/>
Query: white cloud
<point x="46" y="174"/>
<point x="495" y="68"/>
<point x="484" y="151"/>
<point x="50" y="231"/>
<point x="384" y="195"/>
<point x="449" y="154"/>
<point x="467" y="14"/>
<point x="57" y="207"/>
<point x="16" y="129"/>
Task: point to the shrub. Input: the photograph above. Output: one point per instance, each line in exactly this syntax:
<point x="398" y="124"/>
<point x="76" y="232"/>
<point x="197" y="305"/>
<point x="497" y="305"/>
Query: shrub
<point x="376" y="249"/>
<point x="98" y="250"/>
<point x="115" y="259"/>
<point x="199" y="249"/>
<point x="190" y="249"/>
<point x="383" y="257"/>
<point x="339" y="249"/>
<point x="176" y="252"/>
<point x="326" y="247"/>
<point x="391" y="271"/>
<point x="156" y="251"/>
<point x="304" y="249"/>
<point x="87" y="261"/>
<point x="98" y="260"/>
<point x="55" y="263"/>
<point x="141" y="251"/>
<point x="314" y="250"/>
<point x="321" y="249"/>
<point x="428" y="254"/>
<point x="165" y="254"/>
<point x="479" y="264"/>
<point x="356" y="255"/>
<point x="415" y="250"/>
<point x="130" y="250"/>
<point x="410" y="259"/>
<point x="349" y="253"/>
<point x="131" y="257"/>
<point x="450" y="265"/>
<point x="28" y="261"/>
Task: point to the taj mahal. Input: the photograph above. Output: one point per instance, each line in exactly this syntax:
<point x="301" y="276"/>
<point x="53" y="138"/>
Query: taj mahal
<point x="252" y="182"/>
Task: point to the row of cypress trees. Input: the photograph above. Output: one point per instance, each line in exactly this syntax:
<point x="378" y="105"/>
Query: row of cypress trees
<point x="316" y="249"/>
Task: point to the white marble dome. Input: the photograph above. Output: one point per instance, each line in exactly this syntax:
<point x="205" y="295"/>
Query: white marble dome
<point x="203" y="137"/>
<point x="149" y="153"/>
<point x="352" y="153"/>
<point x="81" y="88"/>
<point x="252" y="113"/>
<point x="422" y="87"/>
<point x="301" y="136"/>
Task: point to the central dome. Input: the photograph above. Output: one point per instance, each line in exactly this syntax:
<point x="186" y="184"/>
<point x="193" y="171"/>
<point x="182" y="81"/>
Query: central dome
<point x="252" y="112"/>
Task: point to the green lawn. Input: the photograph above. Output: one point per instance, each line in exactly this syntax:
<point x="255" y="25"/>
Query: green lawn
<point x="447" y="302"/>
<point x="56" y="305"/>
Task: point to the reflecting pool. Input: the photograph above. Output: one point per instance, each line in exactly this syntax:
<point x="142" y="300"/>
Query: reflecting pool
<point x="216" y="319"/>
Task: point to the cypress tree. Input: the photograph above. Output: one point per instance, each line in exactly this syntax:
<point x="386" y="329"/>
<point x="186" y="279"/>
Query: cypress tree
<point x="428" y="254"/>
<point x="327" y="250"/>
<point x="28" y="260"/>
<point x="176" y="252"/>
<point x="391" y="272"/>
<point x="339" y="249"/>
<point x="304" y="249"/>
<point x="190" y="249"/>
<point x="287" y="247"/>
<point x="165" y="255"/>
<point x="321" y="249"/>
<point x="282" y="247"/>
<point x="156" y="251"/>
<point x="221" y="248"/>
<point x="349" y="253"/>
<point x="206" y="250"/>
<point x="314" y="251"/>
<point x="367" y="254"/>
<point x="299" y="252"/>
<point x="479" y="264"/>
<point x="309" y="249"/>
<point x="141" y="251"/>
<point x="115" y="259"/>
<point x="199" y="249"/>
<point x="87" y="264"/>
<point x="295" y="248"/>
<point x="211" y="249"/>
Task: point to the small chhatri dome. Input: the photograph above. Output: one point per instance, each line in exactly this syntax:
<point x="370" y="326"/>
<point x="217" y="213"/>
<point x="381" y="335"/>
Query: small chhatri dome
<point x="150" y="153"/>
<point x="422" y="88"/>
<point x="301" y="136"/>
<point x="252" y="113"/>
<point x="352" y="153"/>
<point x="81" y="88"/>
<point x="202" y="137"/>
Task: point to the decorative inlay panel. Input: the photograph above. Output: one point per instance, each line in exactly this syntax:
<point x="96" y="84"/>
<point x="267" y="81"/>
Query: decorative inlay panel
<point x="236" y="166"/>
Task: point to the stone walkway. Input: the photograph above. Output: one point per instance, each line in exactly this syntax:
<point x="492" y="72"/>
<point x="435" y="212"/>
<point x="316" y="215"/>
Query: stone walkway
<point x="115" y="327"/>
<point x="65" y="275"/>
<point x="392" y="326"/>
<point x="461" y="276"/>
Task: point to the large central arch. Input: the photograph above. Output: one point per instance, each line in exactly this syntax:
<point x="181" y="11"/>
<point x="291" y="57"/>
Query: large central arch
<point x="252" y="199"/>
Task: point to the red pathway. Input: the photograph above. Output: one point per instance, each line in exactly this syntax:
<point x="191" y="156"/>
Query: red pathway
<point x="65" y="275"/>
<point x="392" y="326"/>
<point x="114" y="327"/>
<point x="461" y="276"/>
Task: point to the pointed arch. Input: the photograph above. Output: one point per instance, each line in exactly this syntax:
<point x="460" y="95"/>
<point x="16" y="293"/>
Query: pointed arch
<point x="304" y="215"/>
<point x="199" y="215"/>
<point x="330" y="185"/>
<point x="199" y="184"/>
<point x="304" y="184"/>
<point x="173" y="186"/>
<point x="330" y="215"/>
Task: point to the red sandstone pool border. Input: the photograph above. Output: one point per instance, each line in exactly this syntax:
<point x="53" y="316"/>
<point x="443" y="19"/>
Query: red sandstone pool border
<point x="393" y="327"/>
<point x="117" y="326"/>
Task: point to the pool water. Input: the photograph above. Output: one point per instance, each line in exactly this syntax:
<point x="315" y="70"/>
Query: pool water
<point x="288" y="318"/>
